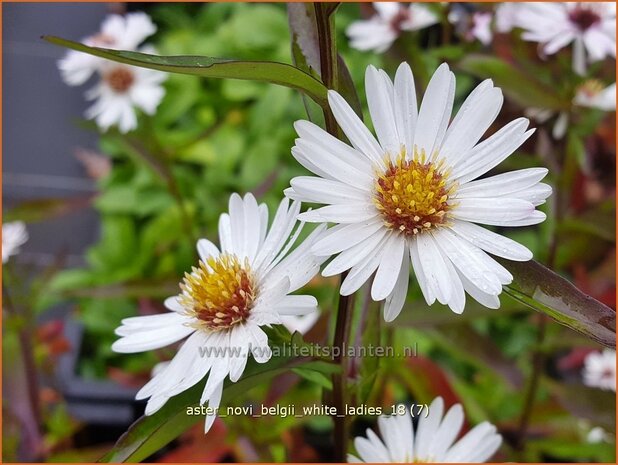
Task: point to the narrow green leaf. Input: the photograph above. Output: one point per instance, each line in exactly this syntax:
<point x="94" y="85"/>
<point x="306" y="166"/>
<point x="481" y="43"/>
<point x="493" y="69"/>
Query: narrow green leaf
<point x="273" y="72"/>
<point x="516" y="84"/>
<point x="544" y="291"/>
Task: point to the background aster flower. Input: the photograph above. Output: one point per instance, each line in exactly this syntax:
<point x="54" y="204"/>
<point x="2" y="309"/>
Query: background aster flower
<point x="590" y="26"/>
<point x="224" y="301"/>
<point x="411" y="199"/>
<point x="14" y="235"/>
<point x="392" y="18"/>
<point x="433" y="440"/>
<point x="600" y="370"/>
<point x="121" y="88"/>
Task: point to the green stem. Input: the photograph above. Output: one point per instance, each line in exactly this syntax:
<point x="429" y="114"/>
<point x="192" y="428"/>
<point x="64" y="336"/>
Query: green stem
<point x="328" y="68"/>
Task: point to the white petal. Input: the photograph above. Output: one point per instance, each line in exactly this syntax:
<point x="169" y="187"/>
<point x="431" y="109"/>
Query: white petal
<point x="434" y="267"/>
<point x="394" y="302"/>
<point x="380" y="100"/>
<point x="318" y="190"/>
<point x="352" y="256"/>
<point x="362" y="271"/>
<point x="349" y="213"/>
<point x="358" y="134"/>
<point x="491" y="242"/>
<point x="492" y="151"/>
<point x="206" y="249"/>
<point x="473" y="119"/>
<point x="491" y="211"/>
<point x="502" y="184"/>
<point x="468" y="261"/>
<point x="427" y="291"/>
<point x="344" y="236"/>
<point x="388" y="270"/>
<point x="406" y="110"/>
<point x="435" y="110"/>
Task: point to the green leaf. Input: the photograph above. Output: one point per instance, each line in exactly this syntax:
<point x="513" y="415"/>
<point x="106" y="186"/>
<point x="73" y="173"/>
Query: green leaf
<point x="150" y="433"/>
<point x="544" y="291"/>
<point x="273" y="72"/>
<point x="519" y="86"/>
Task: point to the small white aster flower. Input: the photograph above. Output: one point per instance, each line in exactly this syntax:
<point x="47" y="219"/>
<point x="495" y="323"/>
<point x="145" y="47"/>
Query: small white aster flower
<point x="590" y="26"/>
<point x="121" y="88"/>
<point x="224" y="302"/>
<point x="432" y="442"/>
<point x="593" y="94"/>
<point x="472" y="26"/>
<point x="411" y="199"/>
<point x="597" y="435"/>
<point x="600" y="370"/>
<point x="392" y="18"/>
<point x="14" y="235"/>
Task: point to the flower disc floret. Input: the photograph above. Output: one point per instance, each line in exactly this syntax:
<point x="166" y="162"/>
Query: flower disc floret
<point x="412" y="195"/>
<point x="220" y="293"/>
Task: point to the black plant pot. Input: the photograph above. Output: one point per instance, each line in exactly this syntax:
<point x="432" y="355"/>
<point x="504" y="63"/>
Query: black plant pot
<point x="103" y="403"/>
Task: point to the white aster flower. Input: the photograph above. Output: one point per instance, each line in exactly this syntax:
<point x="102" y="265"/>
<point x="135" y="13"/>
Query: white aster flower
<point x="600" y="370"/>
<point x="412" y="198"/>
<point x="432" y="442"/>
<point x="471" y="26"/>
<point x="590" y="26"/>
<point x="593" y="94"/>
<point x="392" y="18"/>
<point x="224" y="302"/>
<point x="590" y="94"/>
<point x="121" y="88"/>
<point x="14" y="235"/>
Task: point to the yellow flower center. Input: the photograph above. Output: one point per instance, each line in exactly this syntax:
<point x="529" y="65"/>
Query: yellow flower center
<point x="412" y="194"/>
<point x="591" y="87"/>
<point x="219" y="293"/>
<point x="120" y="79"/>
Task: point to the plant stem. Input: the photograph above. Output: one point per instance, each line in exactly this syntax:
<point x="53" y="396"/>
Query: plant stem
<point x="328" y="57"/>
<point x="328" y="66"/>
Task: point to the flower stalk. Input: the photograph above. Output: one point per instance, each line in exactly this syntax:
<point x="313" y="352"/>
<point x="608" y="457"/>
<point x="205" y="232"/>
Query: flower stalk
<point x="324" y="14"/>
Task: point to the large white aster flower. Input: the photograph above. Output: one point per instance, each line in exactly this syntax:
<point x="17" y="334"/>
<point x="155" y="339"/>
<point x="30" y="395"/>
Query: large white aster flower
<point x="121" y="88"/>
<point x="14" y="235"/>
<point x="224" y="301"/>
<point x="590" y="26"/>
<point x="432" y="442"/>
<point x="392" y="18"/>
<point x="412" y="198"/>
<point x="600" y="370"/>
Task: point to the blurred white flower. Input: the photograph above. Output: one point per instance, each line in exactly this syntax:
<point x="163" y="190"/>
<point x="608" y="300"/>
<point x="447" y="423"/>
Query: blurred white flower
<point x="410" y="198"/>
<point x="506" y="16"/>
<point x="600" y="370"/>
<point x="392" y="18"/>
<point x="225" y="301"/>
<point x="471" y="26"/>
<point x="432" y="442"/>
<point x="14" y="235"/>
<point x="590" y="26"/>
<point x="121" y="88"/>
<point x="592" y="94"/>
<point x="597" y="435"/>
